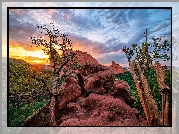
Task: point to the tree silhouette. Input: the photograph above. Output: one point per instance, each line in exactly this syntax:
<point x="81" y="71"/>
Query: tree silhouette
<point x="62" y="64"/>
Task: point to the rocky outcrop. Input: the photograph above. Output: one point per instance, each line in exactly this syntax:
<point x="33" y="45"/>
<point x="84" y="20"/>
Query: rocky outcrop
<point x="121" y="90"/>
<point x="95" y="98"/>
<point x="88" y="69"/>
<point x="89" y="65"/>
<point x="116" y="68"/>
<point x="85" y="58"/>
<point x="100" y="82"/>
<point x="70" y="91"/>
<point x="100" y="110"/>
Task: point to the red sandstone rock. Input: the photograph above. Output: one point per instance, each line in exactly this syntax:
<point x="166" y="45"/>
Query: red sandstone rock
<point x="116" y="68"/>
<point x="89" y="69"/>
<point x="103" y="110"/>
<point x="85" y="58"/>
<point x="89" y="64"/>
<point x="121" y="90"/>
<point x="70" y="91"/>
<point x="99" y="82"/>
<point x="108" y="103"/>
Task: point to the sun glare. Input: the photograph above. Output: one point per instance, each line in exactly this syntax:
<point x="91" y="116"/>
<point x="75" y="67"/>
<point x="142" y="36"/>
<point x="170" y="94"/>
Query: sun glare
<point x="37" y="61"/>
<point x="36" y="56"/>
<point x="39" y="54"/>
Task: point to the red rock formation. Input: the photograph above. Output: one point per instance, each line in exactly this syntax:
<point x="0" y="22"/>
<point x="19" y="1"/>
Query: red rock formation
<point x="88" y="69"/>
<point x="99" y="82"/>
<point x="85" y="58"/>
<point x="116" y="68"/>
<point x="107" y="103"/>
<point x="121" y="90"/>
<point x="86" y="61"/>
<point x="70" y="90"/>
<point x="101" y="110"/>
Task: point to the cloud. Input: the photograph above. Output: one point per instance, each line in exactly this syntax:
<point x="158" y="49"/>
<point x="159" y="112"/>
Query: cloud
<point x="118" y="16"/>
<point x="135" y="39"/>
<point x="97" y="32"/>
<point x="20" y="32"/>
<point x="107" y="58"/>
<point x="84" y="44"/>
<point x="161" y="26"/>
<point x="85" y="23"/>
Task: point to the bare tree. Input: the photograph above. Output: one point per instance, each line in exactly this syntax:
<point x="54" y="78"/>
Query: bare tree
<point x="60" y="63"/>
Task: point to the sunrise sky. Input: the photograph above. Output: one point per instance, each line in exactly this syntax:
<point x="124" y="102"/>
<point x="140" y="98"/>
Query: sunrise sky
<point x="99" y="32"/>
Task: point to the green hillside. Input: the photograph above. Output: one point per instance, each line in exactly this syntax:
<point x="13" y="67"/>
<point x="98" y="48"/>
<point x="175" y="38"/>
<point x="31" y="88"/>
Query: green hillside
<point x="28" y="90"/>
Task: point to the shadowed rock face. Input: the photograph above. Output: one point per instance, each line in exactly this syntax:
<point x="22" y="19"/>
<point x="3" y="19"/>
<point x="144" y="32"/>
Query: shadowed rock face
<point x="116" y="68"/>
<point x="99" y="82"/>
<point x="70" y="92"/>
<point x="121" y="90"/>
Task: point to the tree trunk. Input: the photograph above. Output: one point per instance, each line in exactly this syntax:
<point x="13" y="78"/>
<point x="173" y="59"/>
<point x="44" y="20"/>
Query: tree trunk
<point x="52" y="106"/>
<point x="166" y="94"/>
<point x="150" y="108"/>
<point x="52" y="112"/>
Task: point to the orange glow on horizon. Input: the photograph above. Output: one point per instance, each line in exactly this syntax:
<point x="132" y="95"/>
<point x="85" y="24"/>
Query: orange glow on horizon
<point x="36" y="56"/>
<point x="19" y="51"/>
<point x="37" y="61"/>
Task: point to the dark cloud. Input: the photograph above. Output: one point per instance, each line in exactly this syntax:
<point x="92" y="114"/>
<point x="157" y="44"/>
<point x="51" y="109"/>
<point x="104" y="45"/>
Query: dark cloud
<point x="136" y="38"/>
<point x="110" y="13"/>
<point x="21" y="31"/>
<point x="95" y="47"/>
<point x="61" y="16"/>
<point x="114" y="45"/>
<point x="141" y="19"/>
<point x="138" y="14"/>
<point x="118" y="18"/>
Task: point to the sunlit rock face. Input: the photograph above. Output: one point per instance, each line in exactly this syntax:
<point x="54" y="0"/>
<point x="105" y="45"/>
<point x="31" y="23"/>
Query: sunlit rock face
<point x="116" y="68"/>
<point x="85" y="58"/>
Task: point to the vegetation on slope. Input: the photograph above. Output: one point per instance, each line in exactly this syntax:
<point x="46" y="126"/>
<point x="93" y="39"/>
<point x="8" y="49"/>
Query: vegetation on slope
<point x="28" y="90"/>
<point x="153" y="84"/>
